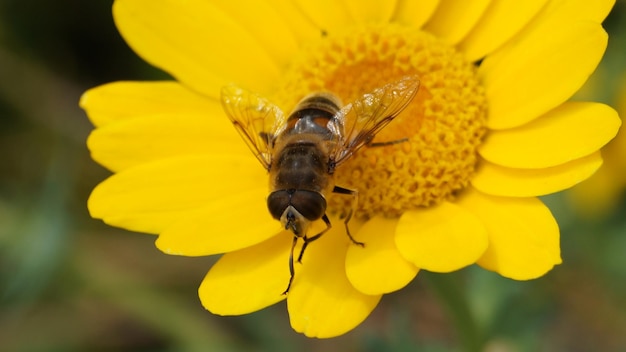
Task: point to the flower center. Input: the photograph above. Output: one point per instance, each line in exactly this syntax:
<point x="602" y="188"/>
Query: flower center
<point x="437" y="134"/>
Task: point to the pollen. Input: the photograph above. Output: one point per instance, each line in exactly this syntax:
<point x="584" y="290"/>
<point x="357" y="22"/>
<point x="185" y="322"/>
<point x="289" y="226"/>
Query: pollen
<point x="428" y="154"/>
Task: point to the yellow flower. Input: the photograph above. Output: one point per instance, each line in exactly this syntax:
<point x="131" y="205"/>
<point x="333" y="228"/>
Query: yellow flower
<point x="489" y="131"/>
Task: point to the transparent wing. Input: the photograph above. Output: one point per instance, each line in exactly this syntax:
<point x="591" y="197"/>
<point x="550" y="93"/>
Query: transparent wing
<point x="356" y="124"/>
<point x="257" y="120"/>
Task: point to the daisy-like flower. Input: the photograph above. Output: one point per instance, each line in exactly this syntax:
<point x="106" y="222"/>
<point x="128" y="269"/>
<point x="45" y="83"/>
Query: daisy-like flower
<point x="489" y="130"/>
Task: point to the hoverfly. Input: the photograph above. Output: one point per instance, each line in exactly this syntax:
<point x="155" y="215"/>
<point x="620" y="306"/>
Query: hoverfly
<point x="302" y="150"/>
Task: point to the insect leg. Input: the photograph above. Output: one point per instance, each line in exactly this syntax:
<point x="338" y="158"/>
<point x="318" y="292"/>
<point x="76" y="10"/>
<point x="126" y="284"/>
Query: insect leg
<point x="291" y="268"/>
<point x="384" y="144"/>
<point x="308" y="240"/>
<point x="355" y="199"/>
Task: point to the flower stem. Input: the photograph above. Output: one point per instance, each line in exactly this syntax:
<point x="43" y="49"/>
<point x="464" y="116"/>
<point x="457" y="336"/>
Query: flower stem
<point x="451" y="294"/>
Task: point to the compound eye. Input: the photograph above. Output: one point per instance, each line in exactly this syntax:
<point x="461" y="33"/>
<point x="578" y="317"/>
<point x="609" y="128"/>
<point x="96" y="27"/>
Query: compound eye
<point x="311" y="205"/>
<point x="277" y="202"/>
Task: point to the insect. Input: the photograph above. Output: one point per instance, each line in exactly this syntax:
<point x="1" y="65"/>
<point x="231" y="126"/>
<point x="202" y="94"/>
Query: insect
<point x="302" y="150"/>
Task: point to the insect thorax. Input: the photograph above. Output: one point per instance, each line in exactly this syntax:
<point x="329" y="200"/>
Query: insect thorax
<point x="302" y="163"/>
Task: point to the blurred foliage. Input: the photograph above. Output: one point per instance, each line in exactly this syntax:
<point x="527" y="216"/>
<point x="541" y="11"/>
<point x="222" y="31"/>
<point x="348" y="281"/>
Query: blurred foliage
<point x="70" y="283"/>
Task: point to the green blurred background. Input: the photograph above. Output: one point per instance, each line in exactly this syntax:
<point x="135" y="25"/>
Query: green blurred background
<point x="70" y="283"/>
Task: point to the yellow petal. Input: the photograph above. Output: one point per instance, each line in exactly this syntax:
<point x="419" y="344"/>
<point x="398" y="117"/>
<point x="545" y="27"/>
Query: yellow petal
<point x="236" y="221"/>
<point x="378" y="267"/>
<point x="540" y="69"/>
<point x="501" y="21"/>
<point x="330" y="16"/>
<point x="322" y="303"/>
<point x="523" y="235"/>
<point x="371" y="11"/>
<point x="554" y="14"/>
<point x="266" y="24"/>
<point x="503" y="181"/>
<point x="149" y="197"/>
<point x="301" y="26"/>
<point x="567" y="133"/>
<point x="198" y="43"/>
<point x="442" y="238"/>
<point x="414" y="13"/>
<point x="454" y="19"/>
<point x="248" y="280"/>
<point x="143" y="139"/>
<point x="595" y="11"/>
<point x="117" y="101"/>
